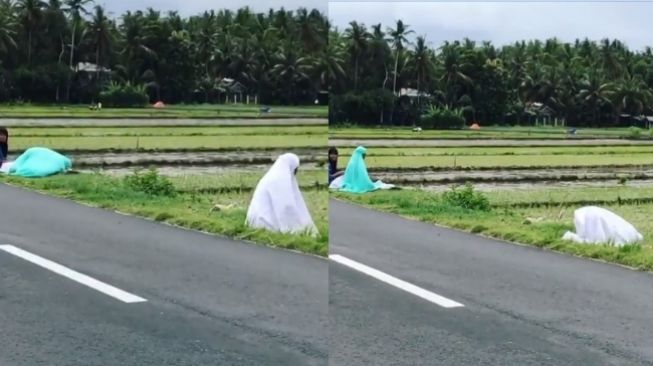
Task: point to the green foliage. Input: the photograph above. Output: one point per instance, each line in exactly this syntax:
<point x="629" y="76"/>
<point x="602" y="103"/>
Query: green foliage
<point x="124" y="96"/>
<point x="635" y="132"/>
<point x="442" y="119"/>
<point x="466" y="197"/>
<point x="150" y="183"/>
<point x="364" y="108"/>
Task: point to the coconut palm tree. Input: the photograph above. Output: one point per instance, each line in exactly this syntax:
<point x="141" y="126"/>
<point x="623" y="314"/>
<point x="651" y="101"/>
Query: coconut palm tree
<point x="31" y="13"/>
<point x="357" y="37"/>
<point x="75" y="9"/>
<point x="8" y="26"/>
<point x="99" y="33"/>
<point x="398" y="39"/>
<point x="421" y="60"/>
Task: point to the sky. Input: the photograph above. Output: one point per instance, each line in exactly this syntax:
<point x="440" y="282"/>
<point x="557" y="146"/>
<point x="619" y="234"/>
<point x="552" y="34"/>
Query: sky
<point x="506" y="22"/>
<point x="194" y="7"/>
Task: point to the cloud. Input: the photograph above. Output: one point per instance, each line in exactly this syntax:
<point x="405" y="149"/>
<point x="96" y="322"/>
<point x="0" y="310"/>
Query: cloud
<point x="506" y="22"/>
<point x="194" y="7"/>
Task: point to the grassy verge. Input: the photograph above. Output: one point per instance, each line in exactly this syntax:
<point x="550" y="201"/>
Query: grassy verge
<point x="190" y="209"/>
<point x="171" y="111"/>
<point x="541" y="226"/>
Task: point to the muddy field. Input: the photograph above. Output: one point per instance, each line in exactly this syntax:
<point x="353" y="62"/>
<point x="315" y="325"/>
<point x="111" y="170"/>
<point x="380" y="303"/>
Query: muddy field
<point x="221" y="159"/>
<point x="476" y="143"/>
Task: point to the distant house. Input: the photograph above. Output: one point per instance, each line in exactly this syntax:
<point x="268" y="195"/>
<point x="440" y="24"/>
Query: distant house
<point x="90" y="78"/>
<point x="233" y="90"/>
<point x="540" y="113"/>
<point x="413" y="93"/>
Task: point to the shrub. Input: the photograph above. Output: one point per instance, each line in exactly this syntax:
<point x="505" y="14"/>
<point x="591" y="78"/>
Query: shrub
<point x="635" y="132"/>
<point x="442" y="119"/>
<point x="150" y="183"/>
<point x="127" y="95"/>
<point x="466" y="197"/>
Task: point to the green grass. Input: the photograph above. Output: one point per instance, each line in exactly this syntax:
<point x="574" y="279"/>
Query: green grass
<point x="171" y="111"/>
<point x="91" y="131"/>
<point x="191" y="210"/>
<point x="484" y="133"/>
<point x="506" y="161"/>
<point x="242" y="180"/>
<point x="168" y="142"/>
<point x="509" y="224"/>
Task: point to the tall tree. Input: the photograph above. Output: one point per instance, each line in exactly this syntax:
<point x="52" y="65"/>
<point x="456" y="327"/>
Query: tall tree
<point x="31" y="13"/>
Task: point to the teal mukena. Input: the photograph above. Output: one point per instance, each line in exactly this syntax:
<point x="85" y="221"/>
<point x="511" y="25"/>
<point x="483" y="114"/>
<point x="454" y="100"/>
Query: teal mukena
<point x="356" y="179"/>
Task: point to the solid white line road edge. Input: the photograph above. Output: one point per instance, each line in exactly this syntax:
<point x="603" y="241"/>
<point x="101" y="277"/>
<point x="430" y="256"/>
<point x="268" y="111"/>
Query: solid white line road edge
<point x="85" y="280"/>
<point x="393" y="281"/>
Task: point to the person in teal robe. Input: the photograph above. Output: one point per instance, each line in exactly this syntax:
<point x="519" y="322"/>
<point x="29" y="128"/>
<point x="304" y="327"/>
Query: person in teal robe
<point x="356" y="179"/>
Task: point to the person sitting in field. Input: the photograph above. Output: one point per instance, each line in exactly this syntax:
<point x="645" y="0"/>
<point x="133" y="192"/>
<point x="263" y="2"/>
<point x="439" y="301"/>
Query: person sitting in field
<point x="356" y="178"/>
<point x="4" y="145"/>
<point x="596" y="225"/>
<point x="277" y="203"/>
<point x="333" y="165"/>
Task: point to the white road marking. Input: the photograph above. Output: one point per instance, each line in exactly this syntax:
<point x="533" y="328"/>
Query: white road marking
<point x="106" y="289"/>
<point x="393" y="281"/>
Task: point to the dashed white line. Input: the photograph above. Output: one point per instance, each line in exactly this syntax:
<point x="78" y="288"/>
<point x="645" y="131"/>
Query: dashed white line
<point x="393" y="281"/>
<point x="102" y="287"/>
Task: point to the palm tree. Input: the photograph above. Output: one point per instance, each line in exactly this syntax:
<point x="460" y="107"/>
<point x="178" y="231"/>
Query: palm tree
<point x="398" y="37"/>
<point x="290" y="69"/>
<point x="7" y="26"/>
<point x="454" y="80"/>
<point x="358" y="38"/>
<point x="329" y="63"/>
<point x="422" y="63"/>
<point x="594" y="93"/>
<point x="31" y="14"/>
<point x="100" y="34"/>
<point x="631" y="94"/>
<point x="75" y="8"/>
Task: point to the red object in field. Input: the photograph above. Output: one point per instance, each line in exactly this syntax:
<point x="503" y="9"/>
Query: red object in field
<point x="475" y="126"/>
<point x="159" y="104"/>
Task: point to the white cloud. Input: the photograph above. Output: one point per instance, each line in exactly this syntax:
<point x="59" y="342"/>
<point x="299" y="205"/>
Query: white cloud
<point x="506" y="22"/>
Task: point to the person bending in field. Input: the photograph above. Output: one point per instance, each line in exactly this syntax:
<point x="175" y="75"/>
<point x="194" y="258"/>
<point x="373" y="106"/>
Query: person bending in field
<point x="4" y="145"/>
<point x="277" y="203"/>
<point x="333" y="165"/>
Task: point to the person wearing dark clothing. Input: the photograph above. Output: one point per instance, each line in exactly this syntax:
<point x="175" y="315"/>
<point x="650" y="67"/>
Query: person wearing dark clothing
<point x="4" y="144"/>
<point x="333" y="165"/>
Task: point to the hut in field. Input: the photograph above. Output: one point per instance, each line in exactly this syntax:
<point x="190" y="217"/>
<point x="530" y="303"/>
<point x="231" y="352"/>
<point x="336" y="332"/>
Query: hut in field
<point x="235" y="92"/>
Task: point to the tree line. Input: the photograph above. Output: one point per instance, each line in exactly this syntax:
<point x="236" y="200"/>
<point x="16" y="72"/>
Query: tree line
<point x="586" y="83"/>
<point x="278" y="56"/>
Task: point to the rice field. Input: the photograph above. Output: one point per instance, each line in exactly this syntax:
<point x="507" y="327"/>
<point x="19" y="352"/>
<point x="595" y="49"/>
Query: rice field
<point x="534" y="179"/>
<point x="209" y="166"/>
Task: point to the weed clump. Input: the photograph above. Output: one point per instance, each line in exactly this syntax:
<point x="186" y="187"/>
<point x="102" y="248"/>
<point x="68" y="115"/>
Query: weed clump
<point x="150" y="183"/>
<point x="466" y="197"/>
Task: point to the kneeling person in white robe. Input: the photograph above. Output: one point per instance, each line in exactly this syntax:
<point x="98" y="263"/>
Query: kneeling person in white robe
<point x="277" y="204"/>
<point x="596" y="225"/>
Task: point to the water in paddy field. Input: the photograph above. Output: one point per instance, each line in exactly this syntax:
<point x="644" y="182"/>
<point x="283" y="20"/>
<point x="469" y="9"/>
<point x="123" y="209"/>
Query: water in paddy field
<point x="180" y="158"/>
<point x="508" y="174"/>
<point x="177" y="170"/>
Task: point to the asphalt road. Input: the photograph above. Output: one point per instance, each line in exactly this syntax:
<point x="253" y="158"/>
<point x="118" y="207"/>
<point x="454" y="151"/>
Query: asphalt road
<point x="522" y="306"/>
<point x="210" y="301"/>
